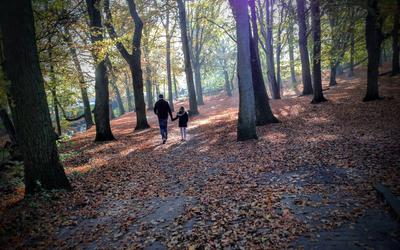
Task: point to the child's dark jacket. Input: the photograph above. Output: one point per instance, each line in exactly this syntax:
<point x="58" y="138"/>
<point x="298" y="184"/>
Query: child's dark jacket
<point x="183" y="118"/>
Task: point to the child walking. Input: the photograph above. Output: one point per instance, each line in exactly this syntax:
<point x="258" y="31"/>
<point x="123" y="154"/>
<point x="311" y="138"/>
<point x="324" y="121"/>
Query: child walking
<point x="183" y="117"/>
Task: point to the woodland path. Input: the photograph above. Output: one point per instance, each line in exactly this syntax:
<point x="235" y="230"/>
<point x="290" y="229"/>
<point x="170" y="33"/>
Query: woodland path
<point x="307" y="182"/>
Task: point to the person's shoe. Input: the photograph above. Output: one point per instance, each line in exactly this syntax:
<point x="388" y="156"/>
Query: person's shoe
<point x="163" y="141"/>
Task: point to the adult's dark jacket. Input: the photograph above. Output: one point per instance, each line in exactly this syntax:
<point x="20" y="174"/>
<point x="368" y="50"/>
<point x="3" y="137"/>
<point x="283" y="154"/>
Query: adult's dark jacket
<point x="162" y="109"/>
<point x="183" y="118"/>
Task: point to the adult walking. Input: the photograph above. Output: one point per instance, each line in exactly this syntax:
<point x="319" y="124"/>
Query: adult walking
<point x="162" y="109"/>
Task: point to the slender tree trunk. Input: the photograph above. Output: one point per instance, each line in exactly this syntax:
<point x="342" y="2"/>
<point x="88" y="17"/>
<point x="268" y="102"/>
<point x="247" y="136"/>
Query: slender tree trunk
<point x="263" y="110"/>
<point x="316" y="29"/>
<point x="82" y="84"/>
<point x="56" y="112"/>
<point x="114" y="86"/>
<point x="352" y="45"/>
<point x="227" y="83"/>
<point x="175" y="88"/>
<point x="128" y="93"/>
<point x="373" y="37"/>
<point x="101" y="110"/>
<point x="278" y="65"/>
<point x="291" y="56"/>
<point x="246" y="128"/>
<point x="34" y="131"/>
<point x="395" y="42"/>
<point x="149" y="89"/>
<point x="305" y="63"/>
<point x="168" y="59"/>
<point x="8" y="125"/>
<point x="270" y="55"/>
<point x="197" y="81"/>
<point x="186" y="54"/>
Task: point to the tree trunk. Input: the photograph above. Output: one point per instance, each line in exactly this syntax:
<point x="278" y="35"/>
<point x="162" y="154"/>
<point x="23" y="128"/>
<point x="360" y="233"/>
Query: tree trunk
<point x="114" y="86"/>
<point x="291" y="57"/>
<point x="168" y="59"/>
<point x="395" y="42"/>
<point x="186" y="54"/>
<point x="270" y="55"/>
<point x="316" y="29"/>
<point x="175" y="88"/>
<point x="263" y="110"/>
<point x="82" y="84"/>
<point x="128" y="93"/>
<point x="197" y="81"/>
<point x="149" y="89"/>
<point x="305" y="63"/>
<point x="32" y="121"/>
<point x="101" y="110"/>
<point x="8" y="125"/>
<point x="246" y="128"/>
<point x="352" y="51"/>
<point x="332" y="77"/>
<point x="227" y="83"/>
<point x="56" y="112"/>
<point x="291" y="48"/>
<point x="133" y="59"/>
<point x="373" y="35"/>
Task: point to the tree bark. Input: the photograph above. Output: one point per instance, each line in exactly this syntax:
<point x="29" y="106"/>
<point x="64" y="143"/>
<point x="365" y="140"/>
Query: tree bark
<point x="32" y="121"/>
<point x="175" y="88"/>
<point x="168" y="62"/>
<point x="149" y="85"/>
<point x="114" y="86"/>
<point x="270" y="55"/>
<point x="316" y="29"/>
<point x="305" y="62"/>
<point x="128" y="93"/>
<point x="352" y="46"/>
<point x="374" y="37"/>
<point x="133" y="59"/>
<point x="8" y="125"/>
<point x="263" y="110"/>
<point x="291" y="47"/>
<point x="101" y="110"/>
<point x="81" y="79"/>
<point x="197" y="81"/>
<point x="395" y="42"/>
<point x="246" y="128"/>
<point x="186" y="54"/>
<point x="227" y="83"/>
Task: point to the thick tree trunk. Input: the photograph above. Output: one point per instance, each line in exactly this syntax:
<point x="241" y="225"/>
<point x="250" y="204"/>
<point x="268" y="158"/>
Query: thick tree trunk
<point x="373" y="35"/>
<point x="82" y="84"/>
<point x="186" y="54"/>
<point x="133" y="59"/>
<point x="305" y="63"/>
<point x="168" y="62"/>
<point x="270" y="55"/>
<point x="8" y="125"/>
<point x="246" y="128"/>
<point x="395" y="42"/>
<point x="29" y="105"/>
<point x="316" y="30"/>
<point x="128" y="93"/>
<point x="101" y="110"/>
<point x="263" y="110"/>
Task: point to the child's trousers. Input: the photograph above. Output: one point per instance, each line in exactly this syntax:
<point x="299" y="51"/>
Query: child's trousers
<point x="183" y="133"/>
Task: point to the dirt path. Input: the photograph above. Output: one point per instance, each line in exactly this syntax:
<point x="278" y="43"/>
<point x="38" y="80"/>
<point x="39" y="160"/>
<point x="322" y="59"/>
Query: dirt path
<point x="306" y="182"/>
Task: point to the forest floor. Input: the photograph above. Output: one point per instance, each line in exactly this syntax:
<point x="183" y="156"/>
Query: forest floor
<point x="307" y="182"/>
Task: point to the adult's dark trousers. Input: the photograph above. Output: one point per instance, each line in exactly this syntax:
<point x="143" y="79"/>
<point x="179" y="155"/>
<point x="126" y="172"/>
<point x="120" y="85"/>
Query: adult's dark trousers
<point x="163" y="128"/>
